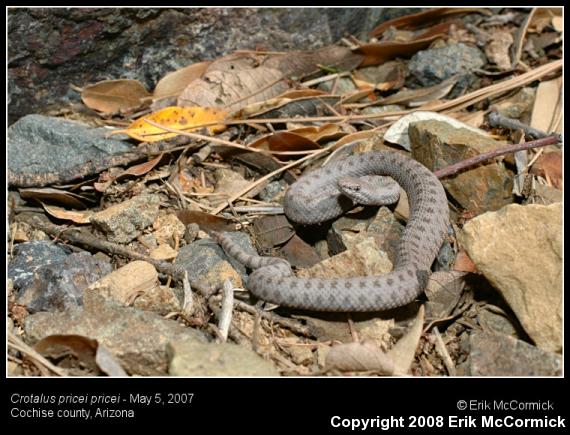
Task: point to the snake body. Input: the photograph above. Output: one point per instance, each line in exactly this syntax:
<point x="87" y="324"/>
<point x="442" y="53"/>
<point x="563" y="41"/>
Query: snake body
<point x="315" y="198"/>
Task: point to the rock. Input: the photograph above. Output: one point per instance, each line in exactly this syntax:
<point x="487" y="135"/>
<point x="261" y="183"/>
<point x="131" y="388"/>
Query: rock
<point x="499" y="355"/>
<point x="272" y="191"/>
<point x="433" y="66"/>
<point x="125" y="221"/>
<point x="364" y="259"/>
<point x="545" y="194"/>
<point x="159" y="299"/>
<point x="486" y="187"/>
<point x="516" y="106"/>
<point x="191" y="232"/>
<point x="43" y="62"/>
<point x="497" y="323"/>
<point x="190" y="358"/>
<point x="168" y="227"/>
<point x="30" y="256"/>
<point x="228" y="182"/>
<point x="40" y="144"/>
<point x="163" y="252"/>
<point x="207" y="263"/>
<point x="137" y="338"/>
<point x="519" y="250"/>
<point x="123" y="284"/>
<point x="61" y="285"/>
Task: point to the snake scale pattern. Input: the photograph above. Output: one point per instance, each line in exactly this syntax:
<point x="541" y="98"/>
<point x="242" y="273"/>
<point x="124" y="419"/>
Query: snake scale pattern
<point x="315" y="198"/>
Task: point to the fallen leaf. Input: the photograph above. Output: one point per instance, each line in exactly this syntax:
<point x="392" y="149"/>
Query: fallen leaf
<point x="546" y="112"/>
<point x="549" y="166"/>
<point x="112" y="96"/>
<point x="78" y="217"/>
<point x="141" y="169"/>
<point x="172" y="84"/>
<point x="404" y="351"/>
<point x="206" y="221"/>
<point x="271" y="231"/>
<point x="240" y="79"/>
<point x="179" y="118"/>
<point x="379" y="52"/>
<point x="54" y="195"/>
<point x="350" y="357"/>
<point x="415" y="20"/>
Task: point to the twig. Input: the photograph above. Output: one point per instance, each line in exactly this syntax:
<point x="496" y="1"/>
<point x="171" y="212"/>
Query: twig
<point x="455" y="168"/>
<point x="90" y="241"/>
<point x="275" y="318"/>
<point x="20" y="346"/>
<point x="500" y="121"/>
<point x="442" y="351"/>
<point x="225" y="316"/>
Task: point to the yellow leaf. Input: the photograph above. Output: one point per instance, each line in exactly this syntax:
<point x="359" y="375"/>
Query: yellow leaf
<point x="178" y="118"/>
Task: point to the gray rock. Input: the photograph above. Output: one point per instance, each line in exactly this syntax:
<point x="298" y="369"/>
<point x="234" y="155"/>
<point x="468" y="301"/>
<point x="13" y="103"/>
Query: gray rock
<point x="30" y="256"/>
<point x="44" y="61"/>
<point x="137" y="338"/>
<point x="434" y="65"/>
<point x="190" y="358"/>
<point x="207" y="262"/>
<point x="499" y="355"/>
<point x="125" y="221"/>
<point x="270" y="192"/>
<point x="39" y="144"/>
<point x="60" y="285"/>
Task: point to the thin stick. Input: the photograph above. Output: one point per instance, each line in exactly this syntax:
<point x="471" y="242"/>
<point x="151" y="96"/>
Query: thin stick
<point x="37" y="358"/>
<point x="453" y="169"/>
<point x="442" y="351"/>
<point x="225" y="317"/>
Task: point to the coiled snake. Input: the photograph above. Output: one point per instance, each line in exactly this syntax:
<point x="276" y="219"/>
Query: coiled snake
<point x="315" y="198"/>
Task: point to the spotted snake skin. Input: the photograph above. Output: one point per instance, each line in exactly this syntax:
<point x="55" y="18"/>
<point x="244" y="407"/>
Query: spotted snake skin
<point x="314" y="198"/>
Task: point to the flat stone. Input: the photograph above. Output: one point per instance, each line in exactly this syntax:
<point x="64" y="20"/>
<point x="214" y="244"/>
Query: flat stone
<point x="125" y="221"/>
<point x="434" y="65"/>
<point x="137" y="338"/>
<point x="499" y="355"/>
<point x="61" y="285"/>
<point x="519" y="250"/>
<point x="486" y="187"/>
<point x="191" y="358"/>
<point x="30" y="256"/>
<point x="43" y="144"/>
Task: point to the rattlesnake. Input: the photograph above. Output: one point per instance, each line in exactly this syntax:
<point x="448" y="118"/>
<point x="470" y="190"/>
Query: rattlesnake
<point x="315" y="198"/>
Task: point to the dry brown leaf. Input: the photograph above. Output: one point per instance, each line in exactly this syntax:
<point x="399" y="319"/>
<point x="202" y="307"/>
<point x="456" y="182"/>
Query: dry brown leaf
<point x="54" y="195"/>
<point x="142" y="168"/>
<point x="299" y="253"/>
<point x="351" y="357"/>
<point x="542" y="17"/>
<point x="76" y="350"/>
<point x="420" y="18"/>
<point x="112" y="96"/>
<point x="206" y="221"/>
<point x="549" y="166"/>
<point x="299" y="139"/>
<point x="404" y="351"/>
<point x="271" y="231"/>
<point x="172" y="84"/>
<point x="379" y="52"/>
<point x="80" y="352"/>
<point x="241" y="79"/>
<point x="78" y="217"/>
<point x="546" y="112"/>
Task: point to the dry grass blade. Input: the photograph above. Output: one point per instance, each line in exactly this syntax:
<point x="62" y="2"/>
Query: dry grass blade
<point x="16" y="343"/>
